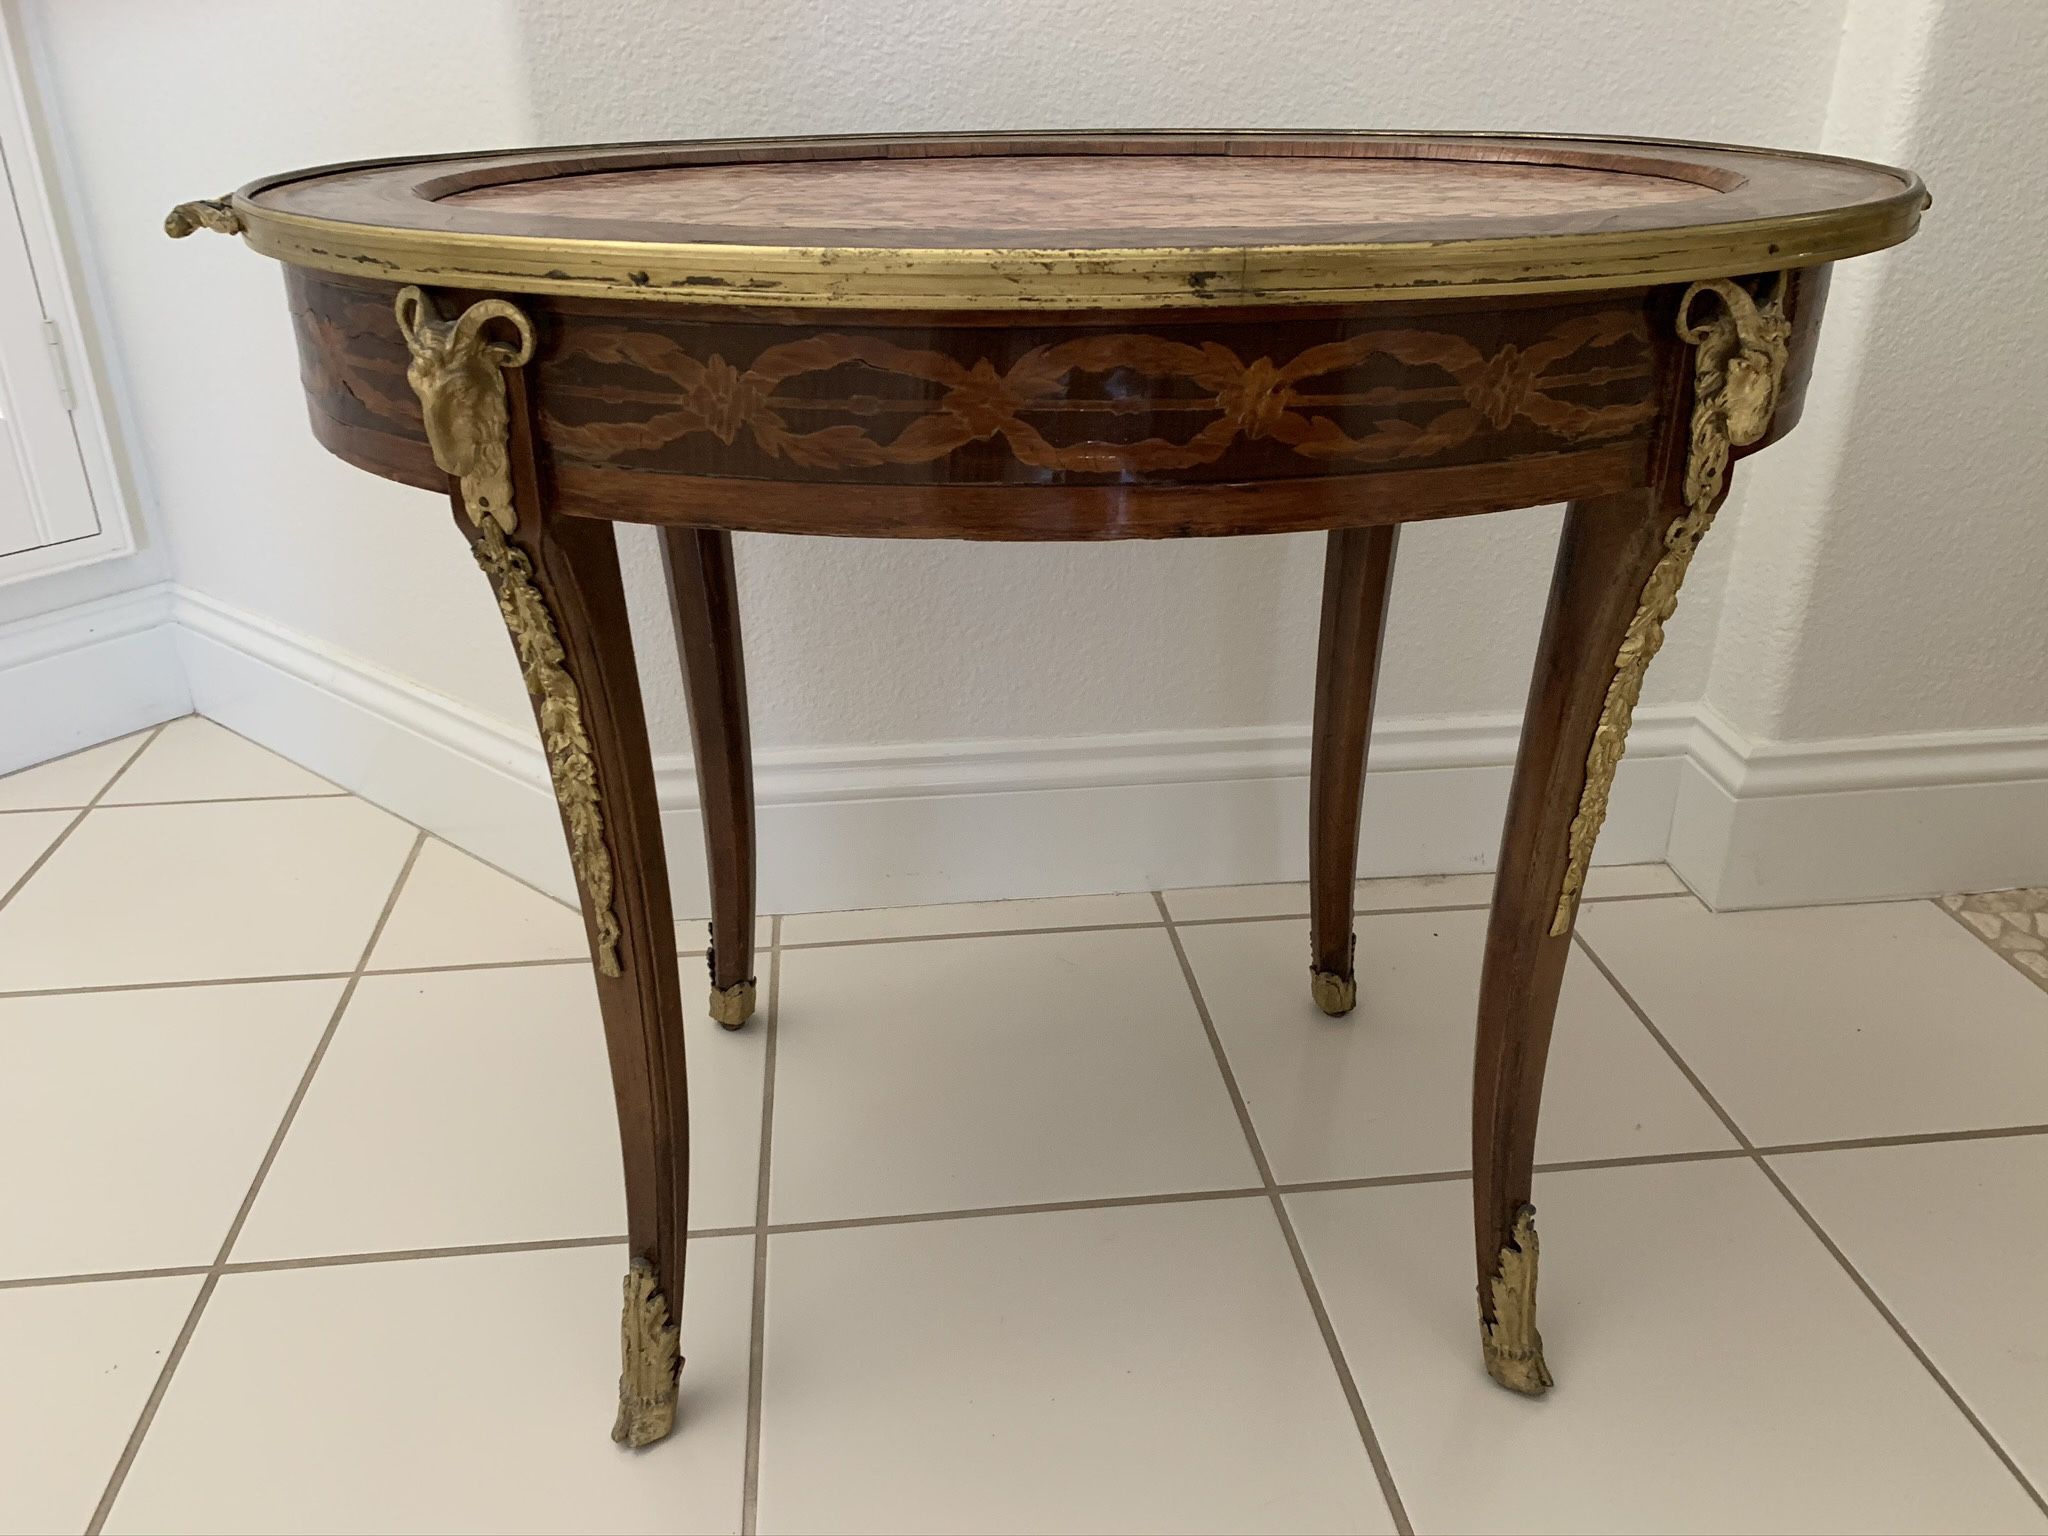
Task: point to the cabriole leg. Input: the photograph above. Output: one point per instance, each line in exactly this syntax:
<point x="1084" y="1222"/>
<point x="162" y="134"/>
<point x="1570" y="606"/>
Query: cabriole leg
<point x="1357" y="572"/>
<point x="558" y="588"/>
<point x="704" y="605"/>
<point x="1619" y="565"/>
<point x="1606" y="553"/>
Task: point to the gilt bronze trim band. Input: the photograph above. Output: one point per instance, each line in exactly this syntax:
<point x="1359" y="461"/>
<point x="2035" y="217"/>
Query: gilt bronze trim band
<point x="914" y="278"/>
<point x="822" y="268"/>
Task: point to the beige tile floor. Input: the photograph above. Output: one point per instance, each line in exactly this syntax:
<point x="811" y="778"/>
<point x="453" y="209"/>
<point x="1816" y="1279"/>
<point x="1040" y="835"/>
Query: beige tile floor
<point x="1076" y="1216"/>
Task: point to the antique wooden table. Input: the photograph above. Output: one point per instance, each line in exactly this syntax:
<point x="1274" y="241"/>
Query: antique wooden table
<point x="1063" y="337"/>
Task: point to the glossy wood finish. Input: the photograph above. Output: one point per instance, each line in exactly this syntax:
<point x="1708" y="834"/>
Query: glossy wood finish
<point x="1604" y="557"/>
<point x="704" y="607"/>
<point x="576" y="568"/>
<point x="1152" y="426"/>
<point x="1072" y="337"/>
<point x="1358" y="573"/>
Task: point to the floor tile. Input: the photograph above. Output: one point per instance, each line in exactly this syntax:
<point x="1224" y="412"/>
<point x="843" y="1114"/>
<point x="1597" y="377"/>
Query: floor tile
<point x="962" y="1073"/>
<point x="457" y="910"/>
<point x="1291" y="900"/>
<point x="969" y="917"/>
<point x="459" y="1107"/>
<point x="1609" y="882"/>
<point x="1405" y="892"/>
<point x="1138" y="1369"/>
<point x="197" y="892"/>
<point x="1950" y="1236"/>
<point x="67" y="782"/>
<point x="1822" y="1023"/>
<point x="458" y="1394"/>
<point x="24" y="836"/>
<point x="1420" y="891"/>
<point x="80" y="1362"/>
<point x="1717" y="1371"/>
<point x="693" y="937"/>
<point x="194" y="759"/>
<point x="1204" y="902"/>
<point x="1388" y="1088"/>
<point x="2013" y="923"/>
<point x="132" y="1122"/>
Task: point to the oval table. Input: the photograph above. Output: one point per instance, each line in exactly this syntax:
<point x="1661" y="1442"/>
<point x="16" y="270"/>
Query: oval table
<point x="1063" y="336"/>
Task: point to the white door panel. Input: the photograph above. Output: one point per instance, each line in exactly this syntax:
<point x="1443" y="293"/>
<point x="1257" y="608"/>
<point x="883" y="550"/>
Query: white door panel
<point x="44" y="496"/>
<point x="19" y="528"/>
<point x="60" y="499"/>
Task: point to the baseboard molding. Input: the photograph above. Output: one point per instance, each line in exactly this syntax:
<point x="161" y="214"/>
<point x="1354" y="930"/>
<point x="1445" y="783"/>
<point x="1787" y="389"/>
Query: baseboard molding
<point x="88" y="673"/>
<point x="1773" y="824"/>
<point x="923" y="822"/>
<point x="457" y="771"/>
<point x="1747" y="823"/>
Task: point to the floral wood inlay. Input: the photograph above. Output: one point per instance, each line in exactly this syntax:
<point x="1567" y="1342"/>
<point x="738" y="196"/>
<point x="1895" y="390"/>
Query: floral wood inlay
<point x="1021" y="404"/>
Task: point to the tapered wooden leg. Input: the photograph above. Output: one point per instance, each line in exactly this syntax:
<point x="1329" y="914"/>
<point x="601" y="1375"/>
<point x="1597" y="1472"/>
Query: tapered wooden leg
<point x="1619" y="567"/>
<point x="575" y="571"/>
<point x="565" y="573"/>
<point x="1609" y="548"/>
<point x="558" y="589"/>
<point x="704" y="604"/>
<point x="1357" y="572"/>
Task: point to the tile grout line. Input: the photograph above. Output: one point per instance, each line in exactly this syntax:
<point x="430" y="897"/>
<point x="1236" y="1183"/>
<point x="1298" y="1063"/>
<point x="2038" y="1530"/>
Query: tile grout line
<point x="370" y="970"/>
<point x="102" y="1276"/>
<point x="148" y="805"/>
<point x="176" y="1352"/>
<point x="83" y="811"/>
<point x="757" y="1328"/>
<point x="1040" y="1208"/>
<point x="1820" y="1233"/>
<point x="972" y="933"/>
<point x="1448" y="906"/>
<point x="337" y="1260"/>
<point x="1183" y="922"/>
<point x="584" y="959"/>
<point x="1908" y="1139"/>
<point x="172" y="986"/>
<point x="406" y="1255"/>
<point x="151" y="805"/>
<point x="147" y="733"/>
<point x="1363" y="1420"/>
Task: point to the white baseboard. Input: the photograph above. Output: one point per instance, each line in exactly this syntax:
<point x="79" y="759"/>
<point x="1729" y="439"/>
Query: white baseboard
<point x="86" y="674"/>
<point x="1774" y="824"/>
<point x="904" y="824"/>
<point x="1747" y="823"/>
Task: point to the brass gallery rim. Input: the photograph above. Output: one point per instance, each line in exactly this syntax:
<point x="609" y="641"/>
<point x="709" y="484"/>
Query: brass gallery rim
<point x="418" y="221"/>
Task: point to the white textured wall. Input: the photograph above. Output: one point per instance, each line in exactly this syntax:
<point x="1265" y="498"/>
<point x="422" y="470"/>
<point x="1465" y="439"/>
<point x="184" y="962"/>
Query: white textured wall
<point x="157" y="103"/>
<point x="1911" y="559"/>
